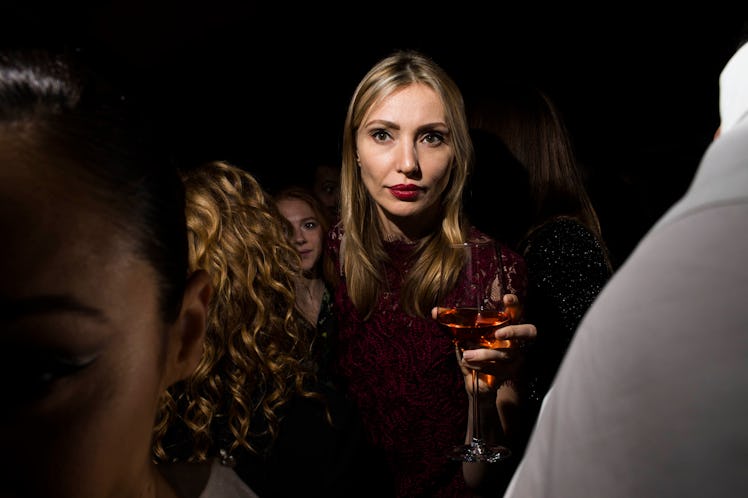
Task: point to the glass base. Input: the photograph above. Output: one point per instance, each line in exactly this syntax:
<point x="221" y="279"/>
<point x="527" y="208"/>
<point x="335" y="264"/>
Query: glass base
<point x="479" y="451"/>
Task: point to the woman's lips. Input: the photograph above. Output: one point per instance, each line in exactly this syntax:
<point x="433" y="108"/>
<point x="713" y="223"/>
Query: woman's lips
<point x="405" y="192"/>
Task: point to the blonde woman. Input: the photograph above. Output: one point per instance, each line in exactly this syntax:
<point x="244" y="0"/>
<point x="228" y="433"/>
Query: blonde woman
<point x="406" y="155"/>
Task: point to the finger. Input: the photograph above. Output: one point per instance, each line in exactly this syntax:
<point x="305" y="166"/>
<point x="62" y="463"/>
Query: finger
<point x="501" y="369"/>
<point x="511" y="300"/>
<point x="513" y="307"/>
<point x="458" y="353"/>
<point x="523" y="331"/>
<point x="480" y="355"/>
<point x="482" y="359"/>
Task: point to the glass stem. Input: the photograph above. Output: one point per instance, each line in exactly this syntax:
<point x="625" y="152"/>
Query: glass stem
<point x="476" y="440"/>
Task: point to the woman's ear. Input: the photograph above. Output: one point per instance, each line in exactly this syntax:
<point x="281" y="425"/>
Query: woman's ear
<point x="187" y="334"/>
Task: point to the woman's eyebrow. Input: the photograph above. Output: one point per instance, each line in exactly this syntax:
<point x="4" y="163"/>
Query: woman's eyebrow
<point x="15" y="308"/>
<point x="382" y="123"/>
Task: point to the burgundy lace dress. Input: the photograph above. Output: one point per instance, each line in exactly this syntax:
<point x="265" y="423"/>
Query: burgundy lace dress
<point x="402" y="373"/>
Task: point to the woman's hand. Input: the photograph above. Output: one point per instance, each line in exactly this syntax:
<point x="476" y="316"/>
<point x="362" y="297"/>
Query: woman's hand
<point x="495" y="366"/>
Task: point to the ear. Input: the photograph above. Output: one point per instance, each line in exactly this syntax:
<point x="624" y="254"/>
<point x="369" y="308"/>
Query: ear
<point x="187" y="334"/>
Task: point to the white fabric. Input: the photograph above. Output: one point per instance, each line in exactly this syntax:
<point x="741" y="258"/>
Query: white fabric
<point x="723" y="181"/>
<point x="651" y="399"/>
<point x="225" y="483"/>
<point x="199" y="480"/>
<point x="733" y="89"/>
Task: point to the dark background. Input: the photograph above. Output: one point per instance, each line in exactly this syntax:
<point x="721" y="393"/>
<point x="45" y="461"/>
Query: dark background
<point x="265" y="86"/>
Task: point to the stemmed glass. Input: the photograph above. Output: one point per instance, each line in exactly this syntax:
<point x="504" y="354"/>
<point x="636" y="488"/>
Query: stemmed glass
<point x="472" y="311"/>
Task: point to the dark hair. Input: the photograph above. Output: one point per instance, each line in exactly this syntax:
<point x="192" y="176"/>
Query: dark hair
<point x="55" y="109"/>
<point x="497" y="183"/>
<point x="531" y="126"/>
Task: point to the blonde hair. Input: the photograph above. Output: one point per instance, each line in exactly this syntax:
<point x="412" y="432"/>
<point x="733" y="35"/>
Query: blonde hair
<point x="362" y="252"/>
<point x="257" y="350"/>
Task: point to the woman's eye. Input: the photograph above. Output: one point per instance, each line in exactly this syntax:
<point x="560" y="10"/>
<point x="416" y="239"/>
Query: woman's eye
<point x="380" y="135"/>
<point x="30" y="377"/>
<point x="433" y="138"/>
<point x="310" y="225"/>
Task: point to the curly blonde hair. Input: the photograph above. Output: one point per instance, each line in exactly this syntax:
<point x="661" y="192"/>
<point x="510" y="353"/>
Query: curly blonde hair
<point x="257" y="351"/>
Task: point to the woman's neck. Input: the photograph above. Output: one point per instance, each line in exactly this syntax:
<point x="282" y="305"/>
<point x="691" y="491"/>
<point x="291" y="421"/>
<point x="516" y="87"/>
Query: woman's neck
<point x="309" y="294"/>
<point x="409" y="228"/>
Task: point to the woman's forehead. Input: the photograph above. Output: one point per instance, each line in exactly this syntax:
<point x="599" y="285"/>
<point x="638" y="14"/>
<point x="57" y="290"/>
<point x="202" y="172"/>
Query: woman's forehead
<point x="50" y="223"/>
<point x="415" y="102"/>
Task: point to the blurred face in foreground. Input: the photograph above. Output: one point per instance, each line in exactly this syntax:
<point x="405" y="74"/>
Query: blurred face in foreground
<point x="85" y="352"/>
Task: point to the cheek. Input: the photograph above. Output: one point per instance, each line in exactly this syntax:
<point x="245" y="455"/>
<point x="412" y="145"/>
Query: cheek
<point x="374" y="162"/>
<point x="316" y="238"/>
<point x="436" y="172"/>
<point x="435" y="165"/>
<point x="442" y="179"/>
<point x="95" y="438"/>
<point x="372" y="178"/>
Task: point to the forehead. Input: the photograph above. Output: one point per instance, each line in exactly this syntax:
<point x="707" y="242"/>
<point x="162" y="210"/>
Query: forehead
<point x="326" y="173"/>
<point x="56" y="237"/>
<point x="37" y="196"/>
<point x="414" y="103"/>
<point x="295" y="207"/>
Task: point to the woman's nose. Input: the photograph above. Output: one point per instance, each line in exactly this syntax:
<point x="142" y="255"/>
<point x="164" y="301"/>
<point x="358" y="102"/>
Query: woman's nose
<point x="408" y="161"/>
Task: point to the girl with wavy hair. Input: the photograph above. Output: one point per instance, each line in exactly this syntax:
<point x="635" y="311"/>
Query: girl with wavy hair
<point x="255" y="398"/>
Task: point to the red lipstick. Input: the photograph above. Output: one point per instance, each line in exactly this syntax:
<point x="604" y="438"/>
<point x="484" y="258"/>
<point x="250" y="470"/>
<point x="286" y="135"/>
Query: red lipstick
<point x="405" y="192"/>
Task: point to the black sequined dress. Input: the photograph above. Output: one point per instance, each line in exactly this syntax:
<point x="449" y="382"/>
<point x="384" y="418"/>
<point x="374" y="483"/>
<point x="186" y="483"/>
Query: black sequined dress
<point x="567" y="267"/>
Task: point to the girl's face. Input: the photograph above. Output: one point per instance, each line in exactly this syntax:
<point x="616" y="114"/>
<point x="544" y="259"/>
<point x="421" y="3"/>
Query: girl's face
<point x="307" y="233"/>
<point x="405" y="153"/>
<point x="85" y="355"/>
<point x="326" y="187"/>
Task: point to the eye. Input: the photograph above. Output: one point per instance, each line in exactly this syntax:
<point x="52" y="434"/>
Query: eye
<point x="329" y="188"/>
<point x="433" y="138"/>
<point x="380" y="135"/>
<point x="31" y="376"/>
<point x="310" y="225"/>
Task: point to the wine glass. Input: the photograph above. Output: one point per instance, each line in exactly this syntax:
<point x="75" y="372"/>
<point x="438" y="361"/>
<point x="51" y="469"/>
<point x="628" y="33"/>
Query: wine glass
<point x="472" y="309"/>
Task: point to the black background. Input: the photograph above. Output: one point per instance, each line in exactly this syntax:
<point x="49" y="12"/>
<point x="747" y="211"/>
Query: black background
<point x="265" y="85"/>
